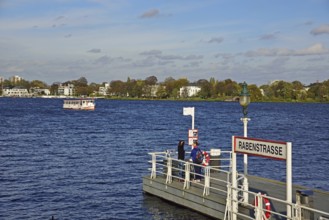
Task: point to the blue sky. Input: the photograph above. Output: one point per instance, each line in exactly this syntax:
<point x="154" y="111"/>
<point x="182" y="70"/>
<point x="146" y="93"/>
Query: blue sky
<point x="103" y="40"/>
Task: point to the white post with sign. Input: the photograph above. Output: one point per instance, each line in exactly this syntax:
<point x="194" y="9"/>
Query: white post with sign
<point x="289" y="177"/>
<point x="193" y="133"/>
<point x="265" y="148"/>
<point x="189" y="111"/>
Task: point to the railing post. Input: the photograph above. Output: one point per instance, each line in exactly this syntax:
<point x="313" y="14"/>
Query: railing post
<point x="187" y="175"/>
<point x="154" y="171"/>
<point x="234" y="193"/>
<point x="169" y="170"/>
<point x="258" y="207"/>
<point x="228" y="208"/>
<point x="296" y="211"/>
<point x="206" y="180"/>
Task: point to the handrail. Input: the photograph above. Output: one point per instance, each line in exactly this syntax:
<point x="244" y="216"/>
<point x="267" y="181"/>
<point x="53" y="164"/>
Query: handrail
<point x="164" y="164"/>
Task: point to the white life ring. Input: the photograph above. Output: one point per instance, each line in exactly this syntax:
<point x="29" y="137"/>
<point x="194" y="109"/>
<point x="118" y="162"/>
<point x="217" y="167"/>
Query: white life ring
<point x="267" y="204"/>
<point x="206" y="158"/>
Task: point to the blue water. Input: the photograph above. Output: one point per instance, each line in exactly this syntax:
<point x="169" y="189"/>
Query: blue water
<point x="89" y="164"/>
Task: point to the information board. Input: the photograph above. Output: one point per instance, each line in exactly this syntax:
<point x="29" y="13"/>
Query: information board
<point x="192" y="136"/>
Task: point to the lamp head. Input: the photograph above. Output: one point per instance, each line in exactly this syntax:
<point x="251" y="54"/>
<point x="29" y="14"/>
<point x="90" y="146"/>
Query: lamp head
<point x="244" y="98"/>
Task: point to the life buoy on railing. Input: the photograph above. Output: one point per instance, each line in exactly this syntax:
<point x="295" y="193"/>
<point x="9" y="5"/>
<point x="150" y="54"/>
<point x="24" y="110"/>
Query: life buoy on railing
<point x="206" y="158"/>
<point x="267" y="204"/>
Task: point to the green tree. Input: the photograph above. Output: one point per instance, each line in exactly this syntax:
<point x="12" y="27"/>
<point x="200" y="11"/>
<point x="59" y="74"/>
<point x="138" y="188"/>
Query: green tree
<point x="255" y="93"/>
<point x="231" y="88"/>
<point x="23" y="83"/>
<point x="213" y="88"/>
<point x="54" y="88"/>
<point x="267" y="91"/>
<point x="282" y="90"/>
<point x="38" y="84"/>
<point x="162" y="93"/>
<point x="117" y="88"/>
<point x="205" y="88"/>
<point x="169" y="84"/>
<point x="151" y="80"/>
<point x="319" y="91"/>
<point x="297" y="90"/>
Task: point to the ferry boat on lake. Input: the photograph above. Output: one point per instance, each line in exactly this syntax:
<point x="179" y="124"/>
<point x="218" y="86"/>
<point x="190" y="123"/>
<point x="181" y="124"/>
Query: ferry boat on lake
<point x="79" y="104"/>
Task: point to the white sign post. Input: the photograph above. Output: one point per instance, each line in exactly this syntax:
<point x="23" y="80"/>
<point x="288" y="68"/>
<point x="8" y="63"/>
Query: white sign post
<point x="189" y="111"/>
<point x="193" y="133"/>
<point x="265" y="148"/>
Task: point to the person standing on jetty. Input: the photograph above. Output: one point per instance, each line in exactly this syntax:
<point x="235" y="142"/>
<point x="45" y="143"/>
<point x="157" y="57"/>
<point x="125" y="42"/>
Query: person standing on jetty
<point x="196" y="157"/>
<point x="181" y="156"/>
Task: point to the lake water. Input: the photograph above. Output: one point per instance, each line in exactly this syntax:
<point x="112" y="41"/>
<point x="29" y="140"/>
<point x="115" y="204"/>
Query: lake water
<point x="89" y="164"/>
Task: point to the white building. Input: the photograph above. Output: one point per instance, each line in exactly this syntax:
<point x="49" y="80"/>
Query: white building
<point x="15" y="79"/>
<point x="67" y="90"/>
<point x="189" y="91"/>
<point x="103" y="90"/>
<point x="154" y="90"/>
<point x="37" y="91"/>
<point x="16" y="92"/>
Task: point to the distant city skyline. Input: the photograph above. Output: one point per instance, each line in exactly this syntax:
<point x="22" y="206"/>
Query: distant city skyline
<point x="103" y="40"/>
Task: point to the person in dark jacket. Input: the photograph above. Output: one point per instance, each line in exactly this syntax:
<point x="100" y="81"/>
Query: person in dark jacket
<point x="195" y="156"/>
<point x="181" y="156"/>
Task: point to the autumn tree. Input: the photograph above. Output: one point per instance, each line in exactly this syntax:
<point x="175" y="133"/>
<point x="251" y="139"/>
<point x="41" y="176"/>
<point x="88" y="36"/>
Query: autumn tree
<point x="38" y="84"/>
<point x="117" y="88"/>
<point x="205" y="88"/>
<point x="255" y="93"/>
<point x="151" y="80"/>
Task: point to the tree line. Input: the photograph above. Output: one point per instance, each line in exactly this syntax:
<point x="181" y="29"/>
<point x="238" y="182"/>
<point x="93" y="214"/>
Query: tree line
<point x="210" y="89"/>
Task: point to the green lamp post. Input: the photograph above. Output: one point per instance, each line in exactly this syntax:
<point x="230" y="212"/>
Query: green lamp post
<point x="244" y="102"/>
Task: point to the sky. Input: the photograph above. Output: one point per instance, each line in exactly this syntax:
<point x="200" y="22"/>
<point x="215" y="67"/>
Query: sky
<point x="256" y="41"/>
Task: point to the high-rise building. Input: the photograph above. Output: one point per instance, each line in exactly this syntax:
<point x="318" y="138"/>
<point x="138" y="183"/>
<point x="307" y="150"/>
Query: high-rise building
<point x="15" y="79"/>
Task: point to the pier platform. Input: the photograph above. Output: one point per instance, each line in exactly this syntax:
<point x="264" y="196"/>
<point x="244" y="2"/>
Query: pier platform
<point x="212" y="196"/>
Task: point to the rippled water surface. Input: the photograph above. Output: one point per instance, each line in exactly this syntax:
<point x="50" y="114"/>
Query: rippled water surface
<point x="89" y="164"/>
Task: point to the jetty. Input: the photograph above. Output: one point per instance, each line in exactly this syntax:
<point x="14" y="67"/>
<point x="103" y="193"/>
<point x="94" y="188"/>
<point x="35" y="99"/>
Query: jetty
<point x="213" y="196"/>
<point x="225" y="192"/>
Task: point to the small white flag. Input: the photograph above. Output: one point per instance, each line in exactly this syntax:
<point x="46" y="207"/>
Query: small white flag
<point x="188" y="111"/>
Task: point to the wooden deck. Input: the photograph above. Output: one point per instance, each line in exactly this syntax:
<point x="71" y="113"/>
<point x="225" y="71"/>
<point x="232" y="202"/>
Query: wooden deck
<point x="214" y="204"/>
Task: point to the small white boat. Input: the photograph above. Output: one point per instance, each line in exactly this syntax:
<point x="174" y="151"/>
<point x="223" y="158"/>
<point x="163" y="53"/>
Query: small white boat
<point x="79" y="104"/>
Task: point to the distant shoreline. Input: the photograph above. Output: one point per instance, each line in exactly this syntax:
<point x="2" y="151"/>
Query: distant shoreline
<point x="168" y="99"/>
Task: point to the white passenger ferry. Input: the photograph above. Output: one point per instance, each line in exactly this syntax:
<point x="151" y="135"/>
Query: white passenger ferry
<point x="79" y="104"/>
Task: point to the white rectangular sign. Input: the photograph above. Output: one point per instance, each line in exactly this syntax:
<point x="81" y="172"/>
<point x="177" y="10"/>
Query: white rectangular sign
<point x="192" y="136"/>
<point x="259" y="147"/>
<point x="188" y="111"/>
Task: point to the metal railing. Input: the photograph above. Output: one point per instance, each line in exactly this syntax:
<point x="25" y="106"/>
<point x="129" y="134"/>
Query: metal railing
<point x="164" y="164"/>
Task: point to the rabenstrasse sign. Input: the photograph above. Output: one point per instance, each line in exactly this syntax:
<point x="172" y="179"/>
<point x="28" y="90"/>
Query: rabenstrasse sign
<point x="259" y="147"/>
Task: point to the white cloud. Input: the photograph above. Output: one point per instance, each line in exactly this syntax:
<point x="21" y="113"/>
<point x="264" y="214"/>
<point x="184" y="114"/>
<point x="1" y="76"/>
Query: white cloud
<point x="324" y="29"/>
<point x="316" y="49"/>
